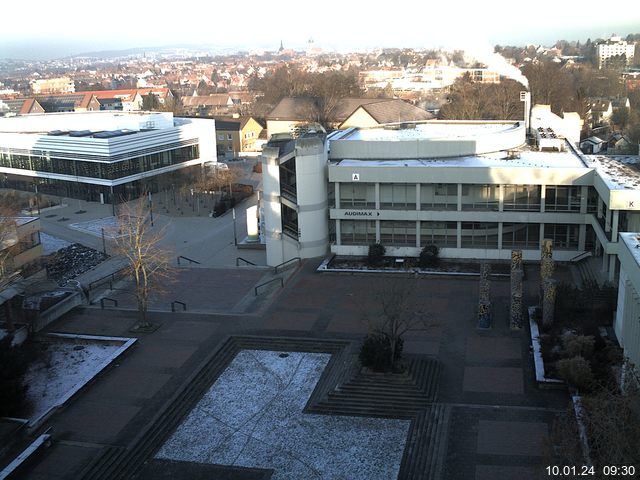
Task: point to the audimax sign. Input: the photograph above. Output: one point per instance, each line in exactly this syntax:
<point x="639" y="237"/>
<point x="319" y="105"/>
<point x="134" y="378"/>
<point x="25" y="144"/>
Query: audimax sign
<point x="361" y="213"/>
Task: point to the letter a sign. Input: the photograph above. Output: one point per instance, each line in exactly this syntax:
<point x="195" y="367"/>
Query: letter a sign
<point x="355" y="177"/>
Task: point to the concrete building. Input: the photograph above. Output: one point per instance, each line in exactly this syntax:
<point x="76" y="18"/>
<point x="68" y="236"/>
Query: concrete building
<point x="101" y="156"/>
<point x="22" y="239"/>
<point x="50" y="86"/>
<point x="613" y="48"/>
<point x="476" y="189"/>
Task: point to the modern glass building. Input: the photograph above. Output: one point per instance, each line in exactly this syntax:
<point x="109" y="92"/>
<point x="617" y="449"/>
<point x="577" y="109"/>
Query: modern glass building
<point x="101" y="156"/>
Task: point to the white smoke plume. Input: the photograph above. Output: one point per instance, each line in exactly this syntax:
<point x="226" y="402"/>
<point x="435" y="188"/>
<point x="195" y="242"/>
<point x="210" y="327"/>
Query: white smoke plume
<point x="495" y="62"/>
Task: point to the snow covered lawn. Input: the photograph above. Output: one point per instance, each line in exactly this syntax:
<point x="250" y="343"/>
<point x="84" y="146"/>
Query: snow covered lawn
<point x="65" y="366"/>
<point x="52" y="244"/>
<point x="252" y="417"/>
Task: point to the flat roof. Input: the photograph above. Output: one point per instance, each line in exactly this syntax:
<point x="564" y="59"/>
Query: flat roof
<point x="429" y="130"/>
<point x="619" y="172"/>
<point x="523" y="159"/>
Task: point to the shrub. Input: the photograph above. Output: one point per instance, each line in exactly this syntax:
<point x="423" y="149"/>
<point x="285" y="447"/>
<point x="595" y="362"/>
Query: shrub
<point x="376" y="254"/>
<point x="375" y="352"/>
<point x="429" y="256"/>
<point x="578" y="345"/>
<point x="575" y="371"/>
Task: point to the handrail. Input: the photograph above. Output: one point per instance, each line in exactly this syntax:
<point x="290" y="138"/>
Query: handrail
<point x="115" y="302"/>
<point x="173" y="305"/>
<point x="190" y="260"/>
<point x="255" y="290"/>
<point x="294" y="259"/>
<point x="238" y="259"/>
<point x="111" y="277"/>
<point x="580" y="256"/>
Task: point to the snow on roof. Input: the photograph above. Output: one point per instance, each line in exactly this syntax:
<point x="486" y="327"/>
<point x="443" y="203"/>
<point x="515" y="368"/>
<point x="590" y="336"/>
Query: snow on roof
<point x="632" y="240"/>
<point x="431" y="130"/>
<point x="525" y="158"/>
<point x="617" y="171"/>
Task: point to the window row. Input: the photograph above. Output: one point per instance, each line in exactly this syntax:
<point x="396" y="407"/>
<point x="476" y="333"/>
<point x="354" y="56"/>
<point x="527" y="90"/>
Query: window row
<point x="444" y="196"/>
<point x="108" y="171"/>
<point x="445" y="234"/>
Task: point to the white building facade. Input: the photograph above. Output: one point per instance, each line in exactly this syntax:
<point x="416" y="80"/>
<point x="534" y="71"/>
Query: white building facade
<point x="100" y="156"/>
<point x="614" y="47"/>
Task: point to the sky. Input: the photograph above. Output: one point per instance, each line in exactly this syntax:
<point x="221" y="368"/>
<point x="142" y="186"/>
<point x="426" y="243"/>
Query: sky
<point x="42" y="29"/>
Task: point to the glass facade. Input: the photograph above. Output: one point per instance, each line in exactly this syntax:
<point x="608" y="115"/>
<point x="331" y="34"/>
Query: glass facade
<point x="357" y="195"/>
<point x="561" y="198"/>
<point x="439" y="196"/>
<point x="481" y="197"/>
<point x="398" y="233"/>
<point x="521" y="235"/>
<point x="100" y="170"/>
<point x="524" y="198"/>
<point x="442" y="234"/>
<point x="398" y="196"/>
<point x="565" y="237"/>
<point x="357" y="232"/>
<point x="479" y="235"/>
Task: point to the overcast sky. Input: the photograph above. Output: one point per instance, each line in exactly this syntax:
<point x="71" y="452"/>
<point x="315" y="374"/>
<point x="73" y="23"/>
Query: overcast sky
<point x="46" y="29"/>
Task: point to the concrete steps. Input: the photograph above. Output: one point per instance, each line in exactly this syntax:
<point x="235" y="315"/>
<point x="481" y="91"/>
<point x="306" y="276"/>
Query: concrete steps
<point x="384" y="395"/>
<point x="426" y="448"/>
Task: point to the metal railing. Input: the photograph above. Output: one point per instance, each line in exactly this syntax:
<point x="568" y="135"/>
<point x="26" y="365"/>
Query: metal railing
<point x="112" y="277"/>
<point x="281" y="266"/>
<point x="580" y="256"/>
<point x="102" y="300"/>
<point x="177" y="302"/>
<point x="246" y="262"/>
<point x="190" y="260"/>
<point x="255" y="290"/>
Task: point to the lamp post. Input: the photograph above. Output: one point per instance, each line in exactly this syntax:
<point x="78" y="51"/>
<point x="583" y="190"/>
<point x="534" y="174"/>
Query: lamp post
<point x="235" y="236"/>
<point x="150" y="208"/>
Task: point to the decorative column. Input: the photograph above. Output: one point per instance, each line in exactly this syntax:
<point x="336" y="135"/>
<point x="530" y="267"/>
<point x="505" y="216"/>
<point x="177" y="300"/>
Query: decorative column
<point x="547" y="265"/>
<point x="484" y="301"/>
<point x="548" y="302"/>
<point x="515" y="313"/>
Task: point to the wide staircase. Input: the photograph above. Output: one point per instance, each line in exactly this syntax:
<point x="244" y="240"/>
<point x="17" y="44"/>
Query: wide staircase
<point x="371" y="394"/>
<point x="343" y="389"/>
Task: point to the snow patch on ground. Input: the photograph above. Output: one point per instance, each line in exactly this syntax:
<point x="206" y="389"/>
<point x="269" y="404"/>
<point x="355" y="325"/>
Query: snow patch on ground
<point x="61" y="367"/>
<point x="95" y="227"/>
<point x="252" y="417"/>
<point x="51" y="244"/>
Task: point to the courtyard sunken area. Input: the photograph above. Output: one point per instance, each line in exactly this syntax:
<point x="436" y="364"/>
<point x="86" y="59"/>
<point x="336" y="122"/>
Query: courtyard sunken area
<point x="253" y="416"/>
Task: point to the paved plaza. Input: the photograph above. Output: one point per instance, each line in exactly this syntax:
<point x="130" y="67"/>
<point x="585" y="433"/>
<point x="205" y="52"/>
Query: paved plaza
<point x="498" y="422"/>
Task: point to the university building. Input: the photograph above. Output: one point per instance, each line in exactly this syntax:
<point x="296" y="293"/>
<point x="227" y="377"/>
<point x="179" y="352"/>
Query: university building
<point x="100" y="156"/>
<point x="476" y="189"/>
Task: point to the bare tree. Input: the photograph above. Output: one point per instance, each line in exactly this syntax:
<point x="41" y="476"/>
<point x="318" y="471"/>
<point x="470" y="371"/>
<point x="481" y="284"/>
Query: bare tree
<point x="148" y="263"/>
<point x="400" y="311"/>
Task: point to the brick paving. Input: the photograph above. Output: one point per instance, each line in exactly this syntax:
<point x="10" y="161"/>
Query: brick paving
<point x="498" y="416"/>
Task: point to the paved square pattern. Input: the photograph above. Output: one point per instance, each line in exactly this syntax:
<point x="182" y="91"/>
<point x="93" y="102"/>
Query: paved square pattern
<point x="493" y="348"/>
<point x="493" y="380"/>
<point x="505" y="472"/>
<point x="252" y="417"/>
<point x="511" y="438"/>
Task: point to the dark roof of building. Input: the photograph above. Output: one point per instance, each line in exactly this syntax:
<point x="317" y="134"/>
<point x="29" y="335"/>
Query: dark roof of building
<point x="23" y="105"/>
<point x="295" y="108"/>
<point x="395" y="110"/>
<point x="227" y="126"/>
<point x="383" y="110"/>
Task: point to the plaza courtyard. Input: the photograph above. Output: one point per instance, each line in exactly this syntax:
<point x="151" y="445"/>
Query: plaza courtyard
<point x="267" y="386"/>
